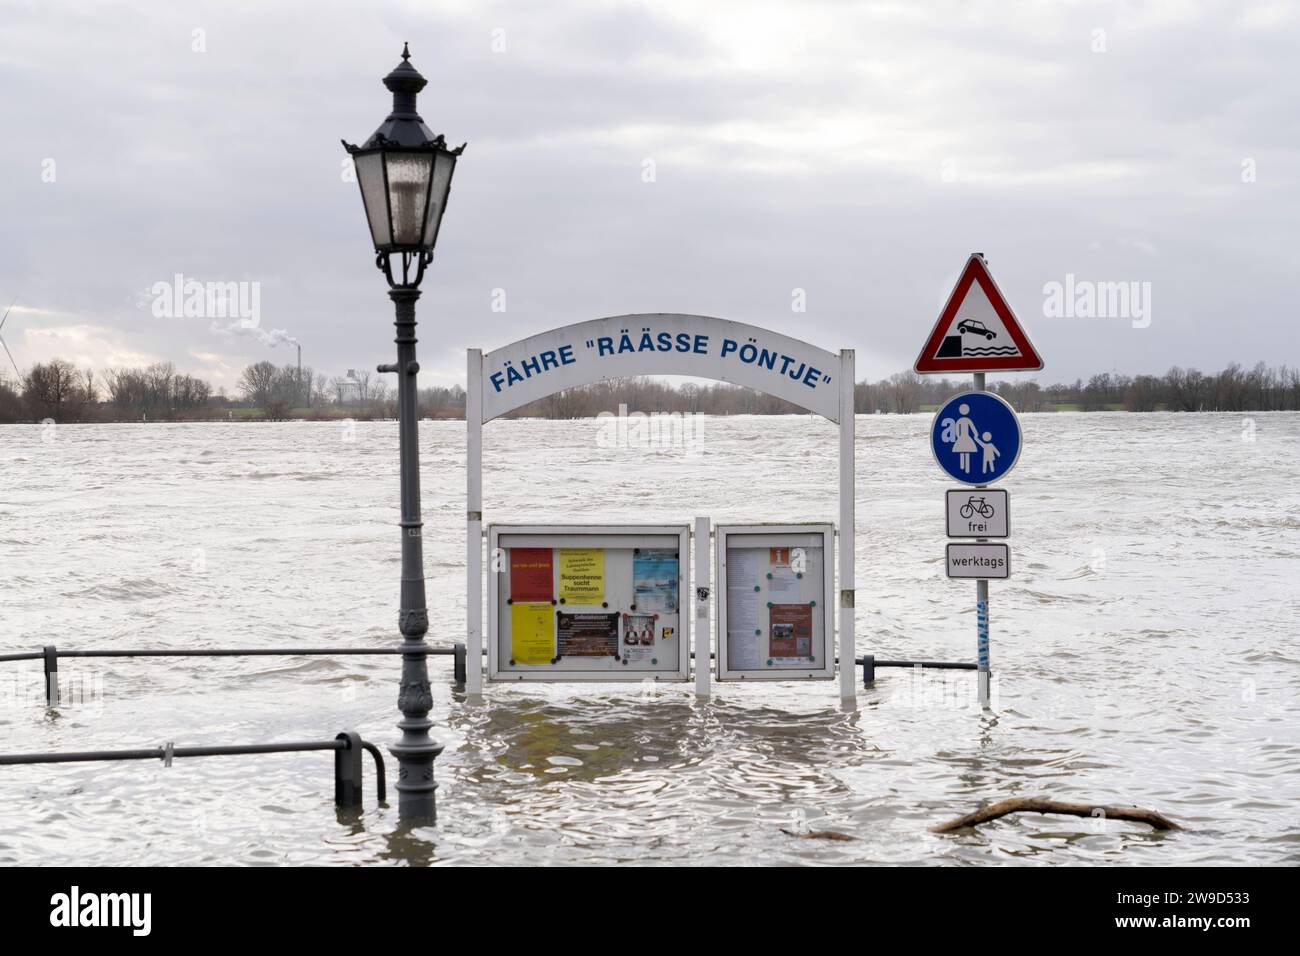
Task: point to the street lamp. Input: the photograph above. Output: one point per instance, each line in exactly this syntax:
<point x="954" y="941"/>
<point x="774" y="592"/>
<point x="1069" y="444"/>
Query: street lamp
<point x="404" y="171"/>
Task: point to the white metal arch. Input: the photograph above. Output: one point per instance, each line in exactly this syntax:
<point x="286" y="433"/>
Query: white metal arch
<point x="507" y="378"/>
<point x="660" y="344"/>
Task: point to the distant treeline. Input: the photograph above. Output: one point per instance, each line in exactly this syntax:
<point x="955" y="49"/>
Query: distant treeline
<point x="60" y="391"/>
<point x="1234" y="389"/>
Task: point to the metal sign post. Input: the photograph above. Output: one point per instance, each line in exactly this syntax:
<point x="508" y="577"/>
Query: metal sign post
<point x="982" y="673"/>
<point x="847" y="644"/>
<point x="978" y="441"/>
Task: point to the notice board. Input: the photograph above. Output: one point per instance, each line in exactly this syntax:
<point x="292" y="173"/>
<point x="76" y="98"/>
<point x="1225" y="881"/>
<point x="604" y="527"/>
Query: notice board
<point x="774" y="593"/>
<point x="588" y="602"/>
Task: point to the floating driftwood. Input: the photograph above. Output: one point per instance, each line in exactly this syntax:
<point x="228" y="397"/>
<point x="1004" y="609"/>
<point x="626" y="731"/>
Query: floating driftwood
<point x="1041" y="805"/>
<point x="820" y="835"/>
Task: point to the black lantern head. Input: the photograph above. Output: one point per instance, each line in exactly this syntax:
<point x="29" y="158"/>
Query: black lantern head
<point x="404" y="171"/>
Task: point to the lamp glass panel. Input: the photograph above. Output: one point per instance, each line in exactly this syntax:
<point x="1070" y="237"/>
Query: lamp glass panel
<point x="370" y="174"/>
<point x="408" y="185"/>
<point x="443" y="165"/>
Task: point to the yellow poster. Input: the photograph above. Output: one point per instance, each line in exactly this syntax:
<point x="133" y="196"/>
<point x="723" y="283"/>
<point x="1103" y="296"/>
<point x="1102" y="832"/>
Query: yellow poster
<point x="582" y="575"/>
<point x="532" y="633"/>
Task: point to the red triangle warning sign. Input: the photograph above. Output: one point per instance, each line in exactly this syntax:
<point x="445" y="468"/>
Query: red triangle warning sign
<point x="977" y="331"/>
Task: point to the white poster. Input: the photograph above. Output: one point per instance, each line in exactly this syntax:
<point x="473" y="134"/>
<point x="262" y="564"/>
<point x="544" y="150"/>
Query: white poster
<point x="746" y="646"/>
<point x="783" y="584"/>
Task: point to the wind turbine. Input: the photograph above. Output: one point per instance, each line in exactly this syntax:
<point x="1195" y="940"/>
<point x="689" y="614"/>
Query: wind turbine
<point x="6" y="347"/>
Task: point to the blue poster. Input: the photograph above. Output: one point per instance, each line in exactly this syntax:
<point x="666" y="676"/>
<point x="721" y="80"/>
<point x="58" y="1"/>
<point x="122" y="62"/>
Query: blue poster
<point x="654" y="580"/>
<point x="976" y="437"/>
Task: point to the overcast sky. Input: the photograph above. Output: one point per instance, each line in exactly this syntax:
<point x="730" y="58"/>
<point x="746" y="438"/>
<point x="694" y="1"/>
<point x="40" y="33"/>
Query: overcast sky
<point x="856" y="151"/>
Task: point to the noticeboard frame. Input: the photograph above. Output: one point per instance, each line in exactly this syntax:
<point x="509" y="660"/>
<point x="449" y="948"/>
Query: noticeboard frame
<point x="502" y="380"/>
<point x="761" y="535"/>
<point x="585" y="536"/>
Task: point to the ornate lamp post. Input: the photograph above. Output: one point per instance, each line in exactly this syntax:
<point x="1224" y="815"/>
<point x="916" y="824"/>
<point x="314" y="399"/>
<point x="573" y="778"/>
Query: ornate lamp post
<point x="404" y="171"/>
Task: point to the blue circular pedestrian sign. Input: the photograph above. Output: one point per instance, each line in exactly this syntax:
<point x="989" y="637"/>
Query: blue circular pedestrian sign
<point x="975" y="437"/>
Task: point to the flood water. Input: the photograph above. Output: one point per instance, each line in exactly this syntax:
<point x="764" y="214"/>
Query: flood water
<point x="1146" y="650"/>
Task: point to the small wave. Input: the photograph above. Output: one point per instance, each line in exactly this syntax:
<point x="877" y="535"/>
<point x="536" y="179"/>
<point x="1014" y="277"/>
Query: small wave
<point x="129" y="589"/>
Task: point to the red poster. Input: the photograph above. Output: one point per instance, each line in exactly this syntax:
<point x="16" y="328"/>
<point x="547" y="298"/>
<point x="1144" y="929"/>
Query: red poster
<point x="791" y="630"/>
<point x="530" y="575"/>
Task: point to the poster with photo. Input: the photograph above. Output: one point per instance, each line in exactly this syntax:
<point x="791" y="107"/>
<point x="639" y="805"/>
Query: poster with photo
<point x="586" y="635"/>
<point x="639" y="636"/>
<point x="654" y="580"/>
<point x="790" y="630"/>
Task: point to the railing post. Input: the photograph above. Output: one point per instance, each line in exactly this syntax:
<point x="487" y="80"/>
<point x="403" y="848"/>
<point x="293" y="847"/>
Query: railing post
<point x="51" y="675"/>
<point x="703" y="588"/>
<point x="459" y="668"/>
<point x="868" y="669"/>
<point x="347" y="771"/>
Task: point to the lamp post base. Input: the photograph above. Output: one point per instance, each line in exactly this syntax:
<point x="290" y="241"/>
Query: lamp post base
<point x="416" y="750"/>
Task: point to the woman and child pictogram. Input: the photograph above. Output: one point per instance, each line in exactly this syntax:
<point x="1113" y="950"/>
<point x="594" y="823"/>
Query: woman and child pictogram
<point x="967" y="440"/>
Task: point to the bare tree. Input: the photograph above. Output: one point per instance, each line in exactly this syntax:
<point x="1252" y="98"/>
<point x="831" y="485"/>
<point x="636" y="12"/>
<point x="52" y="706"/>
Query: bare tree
<point x="54" y="390"/>
<point x="258" y="383"/>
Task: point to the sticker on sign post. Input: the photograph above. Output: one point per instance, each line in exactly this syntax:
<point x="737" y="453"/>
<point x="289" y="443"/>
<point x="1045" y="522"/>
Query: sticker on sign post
<point x="987" y="561"/>
<point x="975" y="437"/>
<point x="978" y="513"/>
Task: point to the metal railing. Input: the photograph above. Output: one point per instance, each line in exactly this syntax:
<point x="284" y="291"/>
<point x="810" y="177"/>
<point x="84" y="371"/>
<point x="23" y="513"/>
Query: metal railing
<point x="50" y="655"/>
<point x="869" y="665"/>
<point x="347" y="747"/>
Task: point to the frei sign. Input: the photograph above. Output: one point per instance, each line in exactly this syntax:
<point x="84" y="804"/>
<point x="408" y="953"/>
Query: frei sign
<point x="978" y="513"/>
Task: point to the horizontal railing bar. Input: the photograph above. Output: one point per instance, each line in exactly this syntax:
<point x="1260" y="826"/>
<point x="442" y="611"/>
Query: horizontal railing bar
<point x="160" y="753"/>
<point x="253" y="652"/>
<point x="169" y="751"/>
<point x="84" y="756"/>
<point x="229" y="652"/>
<point x="51" y="654"/>
<point x="940" y="665"/>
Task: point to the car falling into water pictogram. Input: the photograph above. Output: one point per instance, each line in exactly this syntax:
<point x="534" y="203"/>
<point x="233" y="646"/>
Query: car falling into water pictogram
<point x="976" y="328"/>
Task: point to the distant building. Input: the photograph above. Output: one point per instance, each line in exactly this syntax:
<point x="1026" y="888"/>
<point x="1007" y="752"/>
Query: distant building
<point x="350" y="388"/>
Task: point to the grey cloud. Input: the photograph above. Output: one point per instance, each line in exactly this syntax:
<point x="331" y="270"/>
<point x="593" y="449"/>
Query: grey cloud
<point x="797" y="145"/>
